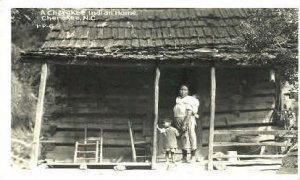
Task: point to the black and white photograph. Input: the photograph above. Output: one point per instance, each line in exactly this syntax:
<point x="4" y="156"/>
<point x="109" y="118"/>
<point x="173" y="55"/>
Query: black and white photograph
<point x="154" y="91"/>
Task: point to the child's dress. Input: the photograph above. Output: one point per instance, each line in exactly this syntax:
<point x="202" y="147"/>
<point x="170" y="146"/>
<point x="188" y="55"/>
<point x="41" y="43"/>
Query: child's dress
<point x="169" y="139"/>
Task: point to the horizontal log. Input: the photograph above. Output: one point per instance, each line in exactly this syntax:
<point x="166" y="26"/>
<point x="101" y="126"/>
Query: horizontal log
<point x="110" y="154"/>
<point x="227" y="92"/>
<point x="228" y="137"/>
<point x="244" y="107"/>
<point x="108" y="100"/>
<point x="104" y="109"/>
<point x="96" y="105"/>
<point x="97" y="120"/>
<point x="106" y="135"/>
<point x="245" y="100"/>
<point x="231" y="103"/>
<point x="69" y="150"/>
<point x="259" y="117"/>
<point x="80" y="92"/>
<point x="268" y="132"/>
<point x="106" y="143"/>
<point x="134" y="89"/>
<point x="104" y="97"/>
<point x="249" y="156"/>
<point x="95" y="126"/>
<point x="53" y="116"/>
<point x="249" y="162"/>
<point x="281" y="144"/>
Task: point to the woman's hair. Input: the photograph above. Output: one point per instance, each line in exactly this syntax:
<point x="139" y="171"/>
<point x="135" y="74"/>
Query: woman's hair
<point x="184" y="85"/>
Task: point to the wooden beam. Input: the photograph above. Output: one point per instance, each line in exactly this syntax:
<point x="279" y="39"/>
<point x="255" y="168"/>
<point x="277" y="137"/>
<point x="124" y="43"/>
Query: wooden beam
<point x="39" y="117"/>
<point x="156" y="99"/>
<point x="212" y="117"/>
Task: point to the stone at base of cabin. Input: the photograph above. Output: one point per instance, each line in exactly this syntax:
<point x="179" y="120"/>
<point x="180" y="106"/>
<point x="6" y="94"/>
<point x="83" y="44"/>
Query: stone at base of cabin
<point x="42" y="166"/>
<point x="284" y="170"/>
<point x="289" y="163"/>
<point x="220" y="167"/>
<point x="200" y="159"/>
<point x="192" y="160"/>
<point x="119" y="168"/>
<point x="83" y="166"/>
<point x="170" y="166"/>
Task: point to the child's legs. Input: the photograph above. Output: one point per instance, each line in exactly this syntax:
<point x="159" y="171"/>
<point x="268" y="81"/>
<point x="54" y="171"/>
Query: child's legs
<point x="172" y="154"/>
<point x="167" y="155"/>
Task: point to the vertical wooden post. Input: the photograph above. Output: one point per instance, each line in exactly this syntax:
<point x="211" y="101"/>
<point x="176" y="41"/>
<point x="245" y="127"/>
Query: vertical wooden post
<point x="85" y="135"/>
<point x="132" y="142"/>
<point x="97" y="152"/>
<point x="39" y="117"/>
<point x="272" y="75"/>
<point x="75" y="152"/>
<point x="200" y="134"/>
<point x="101" y="145"/>
<point x="212" y="117"/>
<point x="156" y="99"/>
<point x="278" y="98"/>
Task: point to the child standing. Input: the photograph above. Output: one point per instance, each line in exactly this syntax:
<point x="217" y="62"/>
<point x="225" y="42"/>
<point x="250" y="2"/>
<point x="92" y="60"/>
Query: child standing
<point x="169" y="136"/>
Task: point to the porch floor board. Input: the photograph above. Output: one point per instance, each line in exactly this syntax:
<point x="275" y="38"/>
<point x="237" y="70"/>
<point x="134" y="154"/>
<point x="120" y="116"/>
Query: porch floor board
<point x="110" y="165"/>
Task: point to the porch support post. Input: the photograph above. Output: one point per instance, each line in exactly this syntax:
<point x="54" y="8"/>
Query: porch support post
<point x="212" y="117"/>
<point x="278" y="97"/>
<point x="156" y="99"/>
<point x="38" y="117"/>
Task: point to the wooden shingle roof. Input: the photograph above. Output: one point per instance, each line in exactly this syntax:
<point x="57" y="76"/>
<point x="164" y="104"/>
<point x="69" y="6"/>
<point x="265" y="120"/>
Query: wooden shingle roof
<point x="149" y="34"/>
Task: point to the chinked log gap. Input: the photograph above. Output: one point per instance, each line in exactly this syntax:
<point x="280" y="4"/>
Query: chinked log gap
<point x="156" y="99"/>
<point x="39" y="116"/>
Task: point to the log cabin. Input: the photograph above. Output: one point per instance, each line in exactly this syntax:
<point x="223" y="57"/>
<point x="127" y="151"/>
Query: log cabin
<point x="117" y="77"/>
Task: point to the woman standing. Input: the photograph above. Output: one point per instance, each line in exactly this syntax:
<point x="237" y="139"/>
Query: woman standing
<point x="185" y="113"/>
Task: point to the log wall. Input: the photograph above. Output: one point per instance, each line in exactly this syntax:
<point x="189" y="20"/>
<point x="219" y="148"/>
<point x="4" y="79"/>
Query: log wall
<point x="102" y="97"/>
<point x="94" y="97"/>
<point x="244" y="98"/>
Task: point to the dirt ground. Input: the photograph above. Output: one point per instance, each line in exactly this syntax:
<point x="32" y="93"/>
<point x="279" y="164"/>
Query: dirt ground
<point x="180" y="171"/>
